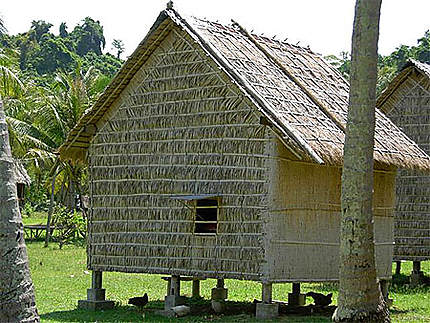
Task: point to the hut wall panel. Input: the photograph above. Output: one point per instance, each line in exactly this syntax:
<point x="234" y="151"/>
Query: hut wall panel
<point x="304" y="217"/>
<point x="182" y="130"/>
<point x="410" y="110"/>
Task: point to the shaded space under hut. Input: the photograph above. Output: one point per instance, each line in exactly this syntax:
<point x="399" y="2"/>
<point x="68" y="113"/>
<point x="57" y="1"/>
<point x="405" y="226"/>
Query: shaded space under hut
<point x="406" y="101"/>
<point x="216" y="153"/>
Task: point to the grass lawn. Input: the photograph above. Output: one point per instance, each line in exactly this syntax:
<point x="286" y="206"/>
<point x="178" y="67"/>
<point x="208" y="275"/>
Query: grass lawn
<point x="61" y="279"/>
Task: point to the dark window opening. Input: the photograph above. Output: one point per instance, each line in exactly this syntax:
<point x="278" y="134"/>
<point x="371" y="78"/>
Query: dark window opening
<point x="206" y="216"/>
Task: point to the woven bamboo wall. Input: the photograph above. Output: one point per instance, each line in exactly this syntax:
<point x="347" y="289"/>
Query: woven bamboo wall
<point x="409" y="108"/>
<point x="304" y="215"/>
<point x="179" y="128"/>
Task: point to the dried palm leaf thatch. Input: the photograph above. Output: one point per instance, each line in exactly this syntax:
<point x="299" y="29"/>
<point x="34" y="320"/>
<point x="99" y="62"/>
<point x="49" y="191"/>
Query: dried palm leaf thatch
<point x="304" y="97"/>
<point x="406" y="101"/>
<point x="203" y="109"/>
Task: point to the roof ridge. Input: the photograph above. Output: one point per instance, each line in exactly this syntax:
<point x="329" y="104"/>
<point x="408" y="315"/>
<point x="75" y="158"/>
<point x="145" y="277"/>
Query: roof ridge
<point x="292" y="77"/>
<point x="236" y="77"/>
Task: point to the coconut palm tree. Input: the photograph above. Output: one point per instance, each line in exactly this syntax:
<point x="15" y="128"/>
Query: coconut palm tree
<point x="2" y="27"/>
<point x="17" y="301"/>
<point x="360" y="299"/>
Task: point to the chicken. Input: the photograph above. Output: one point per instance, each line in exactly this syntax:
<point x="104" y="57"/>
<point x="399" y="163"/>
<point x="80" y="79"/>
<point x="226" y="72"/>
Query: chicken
<point x="139" y="301"/>
<point x="320" y="299"/>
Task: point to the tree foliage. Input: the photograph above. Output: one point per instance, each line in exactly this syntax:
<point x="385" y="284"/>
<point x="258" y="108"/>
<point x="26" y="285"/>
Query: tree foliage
<point x="119" y="46"/>
<point x="390" y="65"/>
<point x="89" y="37"/>
<point x="42" y="54"/>
<point x="46" y="86"/>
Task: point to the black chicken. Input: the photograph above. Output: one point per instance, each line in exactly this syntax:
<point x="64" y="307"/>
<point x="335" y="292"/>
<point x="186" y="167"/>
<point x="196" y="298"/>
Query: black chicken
<point x="320" y="299"/>
<point x="140" y="301"/>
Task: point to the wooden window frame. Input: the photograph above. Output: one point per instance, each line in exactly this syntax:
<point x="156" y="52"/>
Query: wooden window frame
<point x="196" y="221"/>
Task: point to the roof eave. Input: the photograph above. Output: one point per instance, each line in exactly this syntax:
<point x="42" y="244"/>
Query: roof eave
<point x="78" y="154"/>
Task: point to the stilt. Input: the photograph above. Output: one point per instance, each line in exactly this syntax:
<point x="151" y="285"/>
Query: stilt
<point x="398" y="267"/>
<point x="218" y="296"/>
<point x="417" y="276"/>
<point x="266" y="310"/>
<point x="173" y="297"/>
<point x="266" y="293"/>
<point x="219" y="292"/>
<point x="96" y="295"/>
<point x="296" y="298"/>
<point x="196" y="288"/>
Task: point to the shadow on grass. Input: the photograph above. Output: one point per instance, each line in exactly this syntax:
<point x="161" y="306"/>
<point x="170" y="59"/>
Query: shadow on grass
<point x="117" y="314"/>
<point x="201" y="311"/>
<point x="77" y="241"/>
<point x="394" y="310"/>
<point x="400" y="279"/>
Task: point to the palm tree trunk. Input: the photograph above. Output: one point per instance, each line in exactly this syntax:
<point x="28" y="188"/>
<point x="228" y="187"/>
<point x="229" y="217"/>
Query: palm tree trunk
<point x="17" y="302"/>
<point x="51" y="207"/>
<point x="360" y="299"/>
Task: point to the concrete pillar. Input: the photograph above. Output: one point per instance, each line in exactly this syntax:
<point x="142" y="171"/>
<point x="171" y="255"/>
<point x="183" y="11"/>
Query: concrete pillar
<point x="218" y="296"/>
<point x="296" y="298"/>
<point x="96" y="279"/>
<point x="96" y="295"/>
<point x="173" y="297"/>
<point x="266" y="293"/>
<point x="175" y="285"/>
<point x="266" y="310"/>
<point x="196" y="288"/>
<point x="219" y="292"/>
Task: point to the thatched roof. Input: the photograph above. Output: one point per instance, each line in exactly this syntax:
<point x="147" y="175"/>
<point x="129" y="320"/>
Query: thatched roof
<point x="296" y="90"/>
<point x="20" y="173"/>
<point x="389" y="96"/>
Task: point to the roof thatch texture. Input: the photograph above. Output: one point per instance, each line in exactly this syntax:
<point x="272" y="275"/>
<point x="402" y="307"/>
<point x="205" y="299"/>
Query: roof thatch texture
<point x="407" y="102"/>
<point x="393" y="92"/>
<point x="20" y="173"/>
<point x="303" y="96"/>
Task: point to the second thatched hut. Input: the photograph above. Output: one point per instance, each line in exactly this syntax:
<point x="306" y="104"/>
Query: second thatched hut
<point x="406" y="101"/>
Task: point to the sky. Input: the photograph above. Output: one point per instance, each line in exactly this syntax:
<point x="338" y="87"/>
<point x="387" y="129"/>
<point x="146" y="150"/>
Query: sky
<point x="323" y="25"/>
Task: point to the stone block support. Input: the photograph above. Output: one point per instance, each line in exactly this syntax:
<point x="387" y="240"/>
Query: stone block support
<point x="218" y="296"/>
<point x="417" y="276"/>
<point x="266" y="310"/>
<point x="219" y="292"/>
<point x="296" y="298"/>
<point x="173" y="297"/>
<point x="96" y="295"/>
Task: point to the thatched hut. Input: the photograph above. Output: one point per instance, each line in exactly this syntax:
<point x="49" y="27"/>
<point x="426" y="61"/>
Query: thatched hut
<point x="217" y="153"/>
<point x="22" y="179"/>
<point x="406" y="101"/>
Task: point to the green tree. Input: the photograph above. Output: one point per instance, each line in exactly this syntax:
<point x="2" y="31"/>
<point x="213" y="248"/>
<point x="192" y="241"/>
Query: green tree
<point x="11" y="86"/>
<point x="119" y="46"/>
<point x="17" y="301"/>
<point x="422" y="51"/>
<point x="38" y="29"/>
<point x="360" y="299"/>
<point x="51" y="55"/>
<point x="63" y="30"/>
<point x="89" y="37"/>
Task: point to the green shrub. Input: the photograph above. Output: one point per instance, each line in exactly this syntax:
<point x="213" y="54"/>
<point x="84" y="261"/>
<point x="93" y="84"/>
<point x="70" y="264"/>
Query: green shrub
<point x="69" y="225"/>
